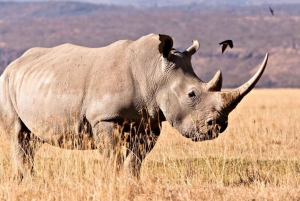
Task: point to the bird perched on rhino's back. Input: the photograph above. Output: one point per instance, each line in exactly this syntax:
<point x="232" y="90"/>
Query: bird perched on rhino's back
<point x="111" y="97"/>
<point x="225" y="44"/>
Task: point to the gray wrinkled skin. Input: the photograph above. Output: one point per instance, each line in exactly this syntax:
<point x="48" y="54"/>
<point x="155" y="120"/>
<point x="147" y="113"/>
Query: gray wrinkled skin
<point x="108" y="97"/>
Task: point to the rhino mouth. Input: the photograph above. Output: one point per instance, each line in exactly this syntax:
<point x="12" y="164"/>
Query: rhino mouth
<point x="209" y="134"/>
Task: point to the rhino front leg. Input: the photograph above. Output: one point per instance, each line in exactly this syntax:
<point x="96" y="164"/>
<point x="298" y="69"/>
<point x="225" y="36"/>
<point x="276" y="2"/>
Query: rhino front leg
<point x="24" y="147"/>
<point x="137" y="149"/>
<point x="108" y="139"/>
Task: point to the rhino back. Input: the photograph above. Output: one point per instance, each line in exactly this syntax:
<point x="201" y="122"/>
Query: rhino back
<point x="68" y="82"/>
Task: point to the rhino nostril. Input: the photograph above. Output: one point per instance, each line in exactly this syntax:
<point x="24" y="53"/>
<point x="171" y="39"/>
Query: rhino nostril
<point x="209" y="122"/>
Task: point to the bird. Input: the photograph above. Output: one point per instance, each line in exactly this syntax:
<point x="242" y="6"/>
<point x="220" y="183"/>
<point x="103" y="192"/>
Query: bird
<point x="225" y="43"/>
<point x="271" y="10"/>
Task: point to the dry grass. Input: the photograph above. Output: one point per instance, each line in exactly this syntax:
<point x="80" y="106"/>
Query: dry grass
<point x="255" y="159"/>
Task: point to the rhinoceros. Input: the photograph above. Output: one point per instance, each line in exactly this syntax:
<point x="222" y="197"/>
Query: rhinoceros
<point x="110" y="97"/>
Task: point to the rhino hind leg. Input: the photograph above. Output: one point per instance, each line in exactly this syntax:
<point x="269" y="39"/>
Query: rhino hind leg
<point x="24" y="146"/>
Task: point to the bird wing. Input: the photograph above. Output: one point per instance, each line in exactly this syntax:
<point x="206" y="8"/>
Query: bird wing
<point x="271" y="10"/>
<point x="224" y="47"/>
<point x="230" y="43"/>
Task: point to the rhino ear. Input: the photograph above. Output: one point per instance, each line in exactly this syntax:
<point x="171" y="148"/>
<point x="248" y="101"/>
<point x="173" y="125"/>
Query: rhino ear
<point x="165" y="46"/>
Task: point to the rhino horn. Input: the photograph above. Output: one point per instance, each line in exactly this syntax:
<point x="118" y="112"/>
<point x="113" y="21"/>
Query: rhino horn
<point x="216" y="83"/>
<point x="230" y="99"/>
<point x="192" y="49"/>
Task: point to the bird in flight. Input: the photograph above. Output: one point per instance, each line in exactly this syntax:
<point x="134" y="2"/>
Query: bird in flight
<point x="225" y="44"/>
<point x="271" y="10"/>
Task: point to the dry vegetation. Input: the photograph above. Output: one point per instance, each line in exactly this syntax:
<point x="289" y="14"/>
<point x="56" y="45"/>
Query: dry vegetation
<point x="256" y="158"/>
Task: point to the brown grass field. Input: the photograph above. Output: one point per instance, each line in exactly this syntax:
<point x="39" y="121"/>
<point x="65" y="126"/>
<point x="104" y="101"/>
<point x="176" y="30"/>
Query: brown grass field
<point x="256" y="158"/>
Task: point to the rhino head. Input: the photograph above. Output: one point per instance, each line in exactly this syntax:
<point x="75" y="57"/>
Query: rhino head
<point x="196" y="109"/>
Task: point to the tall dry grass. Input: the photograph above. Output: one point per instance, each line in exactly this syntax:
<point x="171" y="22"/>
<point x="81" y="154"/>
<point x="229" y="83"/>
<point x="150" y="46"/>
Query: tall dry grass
<point x="256" y="158"/>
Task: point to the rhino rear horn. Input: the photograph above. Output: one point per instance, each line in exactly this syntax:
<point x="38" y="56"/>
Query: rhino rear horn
<point x="230" y="99"/>
<point x="165" y="46"/>
<point x="192" y="49"/>
<point x="216" y="83"/>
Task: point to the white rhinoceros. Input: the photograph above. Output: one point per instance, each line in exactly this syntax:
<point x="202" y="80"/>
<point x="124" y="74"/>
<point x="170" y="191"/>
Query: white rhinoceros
<point x="49" y="95"/>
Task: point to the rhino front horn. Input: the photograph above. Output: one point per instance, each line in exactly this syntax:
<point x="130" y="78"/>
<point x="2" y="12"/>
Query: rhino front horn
<point x="231" y="98"/>
<point x="191" y="50"/>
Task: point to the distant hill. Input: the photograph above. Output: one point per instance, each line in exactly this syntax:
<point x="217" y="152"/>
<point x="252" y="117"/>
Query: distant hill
<point x="159" y="3"/>
<point x="253" y="30"/>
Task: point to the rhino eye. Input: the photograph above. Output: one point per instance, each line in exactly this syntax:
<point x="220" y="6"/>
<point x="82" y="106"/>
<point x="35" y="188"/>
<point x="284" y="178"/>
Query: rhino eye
<point x="191" y="94"/>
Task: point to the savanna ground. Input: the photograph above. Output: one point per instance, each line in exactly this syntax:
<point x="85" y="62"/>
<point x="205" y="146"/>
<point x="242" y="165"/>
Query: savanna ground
<point x="256" y="158"/>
